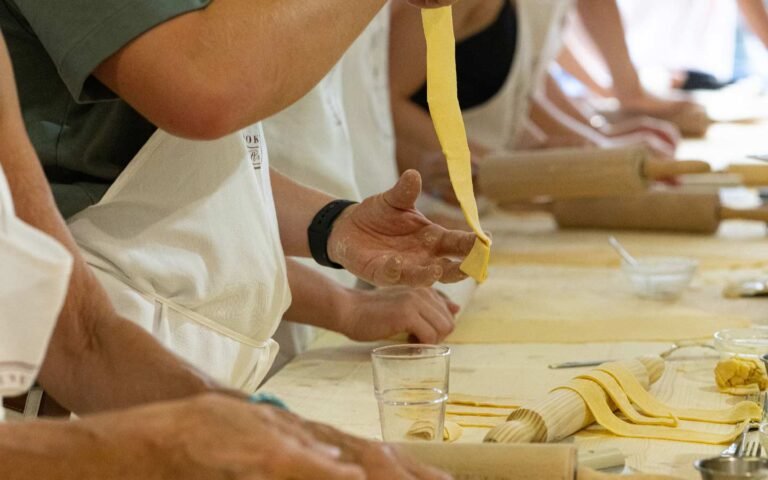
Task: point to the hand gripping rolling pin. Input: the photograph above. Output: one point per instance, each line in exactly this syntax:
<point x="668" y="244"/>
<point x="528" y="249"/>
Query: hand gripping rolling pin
<point x="660" y="211"/>
<point x="576" y="173"/>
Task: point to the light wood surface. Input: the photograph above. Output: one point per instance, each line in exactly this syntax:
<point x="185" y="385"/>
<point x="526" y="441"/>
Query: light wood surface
<point x="333" y="382"/>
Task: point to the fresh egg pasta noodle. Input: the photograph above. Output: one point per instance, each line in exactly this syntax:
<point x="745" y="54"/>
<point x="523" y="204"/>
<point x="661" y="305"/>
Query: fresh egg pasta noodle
<point x="442" y="96"/>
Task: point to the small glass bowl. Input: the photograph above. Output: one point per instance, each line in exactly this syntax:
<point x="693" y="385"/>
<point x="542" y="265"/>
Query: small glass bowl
<point x="742" y="342"/>
<point x="660" y="278"/>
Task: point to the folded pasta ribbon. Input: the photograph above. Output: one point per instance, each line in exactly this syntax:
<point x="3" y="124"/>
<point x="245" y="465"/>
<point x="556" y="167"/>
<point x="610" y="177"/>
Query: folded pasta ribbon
<point x="597" y="402"/>
<point x="651" y="406"/>
<point x="442" y="96"/>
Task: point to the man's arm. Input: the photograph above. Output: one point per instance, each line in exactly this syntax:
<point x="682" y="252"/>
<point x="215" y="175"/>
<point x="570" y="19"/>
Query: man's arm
<point x="602" y="20"/>
<point x="96" y="360"/>
<point x="756" y="15"/>
<point x="210" y="72"/>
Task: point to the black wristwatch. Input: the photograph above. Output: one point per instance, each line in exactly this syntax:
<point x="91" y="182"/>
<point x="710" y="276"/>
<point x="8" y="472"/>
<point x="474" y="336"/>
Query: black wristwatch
<point x="320" y="230"/>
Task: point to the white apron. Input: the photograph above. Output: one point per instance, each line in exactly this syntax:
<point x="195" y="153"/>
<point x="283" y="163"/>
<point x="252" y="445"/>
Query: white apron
<point x="498" y="123"/>
<point x="34" y="277"/>
<point x="309" y="143"/>
<point x="187" y="245"/>
<point x="338" y="139"/>
<point x="367" y="102"/>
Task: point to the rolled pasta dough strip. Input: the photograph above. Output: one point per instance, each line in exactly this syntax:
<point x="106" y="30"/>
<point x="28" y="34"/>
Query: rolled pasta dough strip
<point x="479" y="401"/>
<point x="442" y="96"/>
<point x="475" y="413"/>
<point x="614" y="391"/>
<point x="597" y="402"/>
<point x="651" y="406"/>
<point x="424" y="430"/>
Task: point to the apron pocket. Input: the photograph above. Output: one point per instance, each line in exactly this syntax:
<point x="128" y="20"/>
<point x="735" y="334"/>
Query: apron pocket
<point x="228" y="358"/>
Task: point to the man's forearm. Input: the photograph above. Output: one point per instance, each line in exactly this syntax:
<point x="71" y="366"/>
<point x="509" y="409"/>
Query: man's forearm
<point x="563" y="102"/>
<point x="602" y="19"/>
<point x="555" y="123"/>
<point x="317" y="300"/>
<point x="296" y="206"/>
<point x="756" y="15"/>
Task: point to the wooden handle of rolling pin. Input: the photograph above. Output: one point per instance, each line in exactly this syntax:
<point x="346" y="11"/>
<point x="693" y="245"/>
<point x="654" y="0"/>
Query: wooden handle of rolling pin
<point x="757" y="214"/>
<point x="752" y="175"/>
<point x="660" y="169"/>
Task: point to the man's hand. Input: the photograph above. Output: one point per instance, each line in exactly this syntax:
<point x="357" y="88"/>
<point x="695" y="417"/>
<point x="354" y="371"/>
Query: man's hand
<point x="380" y="461"/>
<point x="210" y="437"/>
<point x="379" y="314"/>
<point x="386" y="241"/>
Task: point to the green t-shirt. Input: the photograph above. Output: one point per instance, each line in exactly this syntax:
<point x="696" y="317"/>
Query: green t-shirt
<point x="82" y="132"/>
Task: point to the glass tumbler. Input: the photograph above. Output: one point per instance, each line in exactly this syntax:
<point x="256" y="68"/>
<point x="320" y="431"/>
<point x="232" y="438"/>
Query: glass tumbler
<point x="411" y="387"/>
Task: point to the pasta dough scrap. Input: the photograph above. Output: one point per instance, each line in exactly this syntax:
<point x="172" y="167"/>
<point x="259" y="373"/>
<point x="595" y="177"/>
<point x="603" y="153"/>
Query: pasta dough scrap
<point x="452" y="432"/>
<point x="442" y="97"/>
<point x="424" y="430"/>
<point x="651" y="406"/>
<point x="596" y="400"/>
<point x="619" y="397"/>
<point x="475" y="413"/>
<point x="740" y="376"/>
<point x="480" y="401"/>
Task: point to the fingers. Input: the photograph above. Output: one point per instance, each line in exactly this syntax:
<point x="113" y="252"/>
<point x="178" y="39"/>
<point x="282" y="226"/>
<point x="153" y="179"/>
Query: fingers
<point x="426" y="315"/>
<point x="451" y="271"/>
<point x="441" y="320"/>
<point x="308" y="464"/>
<point x="405" y="192"/>
<point x="423" y="330"/>
<point x="387" y="271"/>
<point x="455" y="243"/>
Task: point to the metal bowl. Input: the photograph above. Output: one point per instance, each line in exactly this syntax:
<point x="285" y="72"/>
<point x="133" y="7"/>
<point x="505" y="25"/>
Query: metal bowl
<point x="732" y="468"/>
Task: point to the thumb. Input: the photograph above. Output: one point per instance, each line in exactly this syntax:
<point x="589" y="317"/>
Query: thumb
<point x="405" y="192"/>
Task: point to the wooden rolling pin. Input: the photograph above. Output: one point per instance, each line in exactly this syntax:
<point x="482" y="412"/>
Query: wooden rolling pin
<point x="562" y="412"/>
<point x="660" y="211"/>
<point x="576" y="173"/>
<point x="751" y="174"/>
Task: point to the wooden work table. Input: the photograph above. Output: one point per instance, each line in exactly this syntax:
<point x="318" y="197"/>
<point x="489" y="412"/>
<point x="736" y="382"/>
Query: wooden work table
<point x="332" y="382"/>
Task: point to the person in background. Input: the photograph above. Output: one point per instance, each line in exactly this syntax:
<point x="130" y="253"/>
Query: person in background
<point x="509" y="101"/>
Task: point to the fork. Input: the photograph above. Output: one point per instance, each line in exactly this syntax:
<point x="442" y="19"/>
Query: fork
<point x="741" y="446"/>
<point x="753" y="449"/>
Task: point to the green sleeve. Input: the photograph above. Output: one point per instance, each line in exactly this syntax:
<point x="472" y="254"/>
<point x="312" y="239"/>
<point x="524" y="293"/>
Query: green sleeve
<point x="80" y="34"/>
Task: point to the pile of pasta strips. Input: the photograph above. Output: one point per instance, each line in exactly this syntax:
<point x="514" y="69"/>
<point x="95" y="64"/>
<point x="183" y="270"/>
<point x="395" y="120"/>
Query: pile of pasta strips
<point x="612" y="386"/>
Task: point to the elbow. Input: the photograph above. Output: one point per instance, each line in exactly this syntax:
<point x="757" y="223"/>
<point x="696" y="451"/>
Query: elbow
<point x="218" y="104"/>
<point x="206" y="117"/>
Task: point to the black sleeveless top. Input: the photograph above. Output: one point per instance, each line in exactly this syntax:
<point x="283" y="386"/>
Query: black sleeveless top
<point x="483" y="61"/>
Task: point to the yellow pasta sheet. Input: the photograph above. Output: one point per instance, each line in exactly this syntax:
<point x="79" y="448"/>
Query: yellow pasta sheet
<point x="556" y="304"/>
